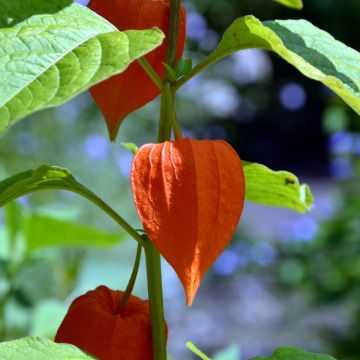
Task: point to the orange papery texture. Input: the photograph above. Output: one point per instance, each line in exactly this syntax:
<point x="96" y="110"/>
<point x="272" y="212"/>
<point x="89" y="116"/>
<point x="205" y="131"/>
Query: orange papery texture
<point x="130" y="90"/>
<point x="189" y="195"/>
<point x="94" y="324"/>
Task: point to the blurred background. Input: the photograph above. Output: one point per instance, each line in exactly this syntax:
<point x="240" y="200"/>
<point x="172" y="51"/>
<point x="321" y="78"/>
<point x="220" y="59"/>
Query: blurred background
<point x="285" y="279"/>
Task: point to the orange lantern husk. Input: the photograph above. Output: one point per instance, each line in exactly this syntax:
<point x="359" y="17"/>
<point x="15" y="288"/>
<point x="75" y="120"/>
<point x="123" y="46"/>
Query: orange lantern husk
<point x="189" y="195"/>
<point x="130" y="90"/>
<point x="95" y="324"/>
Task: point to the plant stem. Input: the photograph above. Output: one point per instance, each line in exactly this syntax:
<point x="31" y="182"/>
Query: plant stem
<point x="151" y="72"/>
<point x="170" y="110"/>
<point x="130" y="286"/>
<point x="111" y="212"/>
<point x="154" y="281"/>
<point x="80" y="189"/>
<point x="153" y="259"/>
<point x="172" y="35"/>
<point x="164" y="131"/>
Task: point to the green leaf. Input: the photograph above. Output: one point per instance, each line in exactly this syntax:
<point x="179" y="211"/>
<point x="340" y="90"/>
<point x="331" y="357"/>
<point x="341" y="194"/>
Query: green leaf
<point x="43" y="231"/>
<point x="4" y="184"/>
<point x="291" y="353"/>
<point x="314" y="52"/>
<point x="196" y="351"/>
<point x="43" y="178"/>
<point x="50" y="51"/>
<point x="183" y="67"/>
<point x="276" y="188"/>
<point x="294" y="4"/>
<point x="130" y="146"/>
<point x="35" y="348"/>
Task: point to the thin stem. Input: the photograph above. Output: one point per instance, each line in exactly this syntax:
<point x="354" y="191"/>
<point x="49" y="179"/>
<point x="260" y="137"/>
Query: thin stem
<point x="151" y="72"/>
<point x="164" y="131"/>
<point x="194" y="71"/>
<point x="172" y="35"/>
<point x="153" y="259"/>
<point x="170" y="111"/>
<point x="154" y="281"/>
<point x="130" y="286"/>
<point x="79" y="189"/>
<point x="111" y="212"/>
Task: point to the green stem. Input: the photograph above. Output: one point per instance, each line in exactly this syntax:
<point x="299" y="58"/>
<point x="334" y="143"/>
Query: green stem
<point x="164" y="131"/>
<point x="154" y="281"/>
<point x="151" y="72"/>
<point x="130" y="286"/>
<point x="111" y="212"/>
<point x="81" y="190"/>
<point x="172" y="36"/>
<point x="170" y="109"/>
<point x="153" y="259"/>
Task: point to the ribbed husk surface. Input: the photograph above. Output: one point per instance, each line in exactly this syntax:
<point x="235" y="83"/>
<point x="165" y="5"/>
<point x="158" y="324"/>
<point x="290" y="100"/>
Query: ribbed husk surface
<point x="130" y="90"/>
<point x="189" y="195"/>
<point x="94" y="325"/>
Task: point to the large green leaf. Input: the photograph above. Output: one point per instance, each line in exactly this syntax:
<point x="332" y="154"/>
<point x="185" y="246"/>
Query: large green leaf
<point x="50" y="51"/>
<point x="311" y="50"/>
<point x="294" y="4"/>
<point x="276" y="188"/>
<point x="34" y="348"/>
<point x="42" y="231"/>
<point x="290" y="353"/>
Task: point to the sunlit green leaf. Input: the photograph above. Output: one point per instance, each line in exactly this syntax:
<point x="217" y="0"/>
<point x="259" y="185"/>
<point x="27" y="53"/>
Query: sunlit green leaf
<point x="290" y="353"/>
<point x="34" y="348"/>
<point x="294" y="4"/>
<point x="50" y="51"/>
<point x="196" y="351"/>
<point x="42" y="231"/>
<point x="314" y="52"/>
<point x="276" y="188"/>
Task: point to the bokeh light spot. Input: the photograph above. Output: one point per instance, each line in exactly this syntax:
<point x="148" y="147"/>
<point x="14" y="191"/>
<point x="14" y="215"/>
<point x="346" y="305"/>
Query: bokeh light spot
<point x="292" y="96"/>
